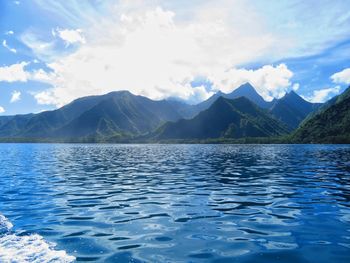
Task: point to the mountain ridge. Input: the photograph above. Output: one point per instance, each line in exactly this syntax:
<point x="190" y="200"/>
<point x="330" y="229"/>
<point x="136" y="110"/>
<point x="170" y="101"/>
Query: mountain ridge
<point x="330" y="125"/>
<point x="238" y="118"/>
<point x="292" y="109"/>
<point x="121" y="114"/>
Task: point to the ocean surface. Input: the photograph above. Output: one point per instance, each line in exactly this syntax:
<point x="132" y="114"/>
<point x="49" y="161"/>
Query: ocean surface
<point x="174" y="203"/>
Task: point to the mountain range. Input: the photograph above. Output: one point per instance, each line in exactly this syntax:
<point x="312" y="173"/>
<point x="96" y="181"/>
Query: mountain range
<point x="290" y="109"/>
<point x="225" y="118"/>
<point x="120" y="115"/>
<point x="114" y="114"/>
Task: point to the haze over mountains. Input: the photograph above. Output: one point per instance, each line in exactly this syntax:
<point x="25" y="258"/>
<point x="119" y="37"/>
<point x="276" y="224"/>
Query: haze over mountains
<point x="119" y="116"/>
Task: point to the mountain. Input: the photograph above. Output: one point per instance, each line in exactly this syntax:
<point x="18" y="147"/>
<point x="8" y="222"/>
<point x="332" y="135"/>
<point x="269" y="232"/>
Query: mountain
<point x="122" y="115"/>
<point x="245" y="90"/>
<point x="226" y="118"/>
<point x="330" y="125"/>
<point x="248" y="91"/>
<point x="114" y="114"/>
<point x="292" y="109"/>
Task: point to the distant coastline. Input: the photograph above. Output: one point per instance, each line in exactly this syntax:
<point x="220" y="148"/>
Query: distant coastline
<point x="262" y="140"/>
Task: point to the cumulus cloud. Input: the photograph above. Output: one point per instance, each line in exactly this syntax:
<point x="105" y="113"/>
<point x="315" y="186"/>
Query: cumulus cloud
<point x="14" y="72"/>
<point x="342" y="77"/>
<point x="2" y="110"/>
<point x="10" y="32"/>
<point x="15" y="96"/>
<point x="296" y="86"/>
<point x="46" y="97"/>
<point x="18" y="72"/>
<point x="70" y="36"/>
<point x="5" y="45"/>
<point x="149" y="53"/>
<point x="323" y="95"/>
<point x="269" y="81"/>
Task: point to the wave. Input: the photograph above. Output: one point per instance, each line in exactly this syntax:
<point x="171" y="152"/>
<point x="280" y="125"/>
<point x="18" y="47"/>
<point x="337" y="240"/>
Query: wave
<point x="5" y="225"/>
<point x="31" y="248"/>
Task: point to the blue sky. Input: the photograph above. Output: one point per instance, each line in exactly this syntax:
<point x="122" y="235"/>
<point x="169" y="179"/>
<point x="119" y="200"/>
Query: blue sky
<point x="53" y="52"/>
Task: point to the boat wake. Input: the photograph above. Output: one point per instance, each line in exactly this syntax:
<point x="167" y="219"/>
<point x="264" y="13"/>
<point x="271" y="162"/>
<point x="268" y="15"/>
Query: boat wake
<point x="31" y="248"/>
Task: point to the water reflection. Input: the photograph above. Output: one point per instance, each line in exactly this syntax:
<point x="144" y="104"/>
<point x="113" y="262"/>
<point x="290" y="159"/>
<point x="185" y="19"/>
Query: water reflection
<point x="176" y="203"/>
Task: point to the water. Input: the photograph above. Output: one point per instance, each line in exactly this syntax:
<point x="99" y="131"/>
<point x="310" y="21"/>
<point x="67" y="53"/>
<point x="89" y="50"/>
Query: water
<point x="175" y="203"/>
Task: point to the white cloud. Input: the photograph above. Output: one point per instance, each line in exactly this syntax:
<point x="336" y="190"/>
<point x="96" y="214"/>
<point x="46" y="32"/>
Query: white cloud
<point x="2" y="110"/>
<point x="295" y="31"/>
<point x="14" y="72"/>
<point x="70" y="36"/>
<point x="342" y="77"/>
<point x="5" y="45"/>
<point x="46" y="97"/>
<point x="149" y="53"/>
<point x="296" y="86"/>
<point x="270" y="82"/>
<point x="15" y="96"/>
<point x="42" y="49"/>
<point x="157" y="53"/>
<point x="18" y="72"/>
<point x="10" y="32"/>
<point x="323" y="95"/>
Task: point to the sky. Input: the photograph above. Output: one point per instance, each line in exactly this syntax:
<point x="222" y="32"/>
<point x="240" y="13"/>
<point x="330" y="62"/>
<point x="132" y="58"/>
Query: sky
<point x="53" y="52"/>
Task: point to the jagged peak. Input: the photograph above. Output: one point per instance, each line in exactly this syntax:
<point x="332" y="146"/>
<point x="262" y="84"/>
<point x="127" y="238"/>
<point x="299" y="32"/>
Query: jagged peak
<point x="292" y="94"/>
<point x="246" y="85"/>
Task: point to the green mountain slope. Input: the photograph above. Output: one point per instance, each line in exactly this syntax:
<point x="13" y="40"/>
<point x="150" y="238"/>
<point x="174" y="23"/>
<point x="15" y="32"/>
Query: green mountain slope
<point x="329" y="125"/>
<point x="225" y="118"/>
<point x="292" y="109"/>
<point x="116" y="113"/>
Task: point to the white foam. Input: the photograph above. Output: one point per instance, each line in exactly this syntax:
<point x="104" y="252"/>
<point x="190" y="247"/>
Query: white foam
<point x="28" y="249"/>
<point x="5" y="225"/>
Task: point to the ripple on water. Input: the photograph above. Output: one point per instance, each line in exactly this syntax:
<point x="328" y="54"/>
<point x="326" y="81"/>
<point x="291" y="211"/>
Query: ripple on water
<point x="181" y="203"/>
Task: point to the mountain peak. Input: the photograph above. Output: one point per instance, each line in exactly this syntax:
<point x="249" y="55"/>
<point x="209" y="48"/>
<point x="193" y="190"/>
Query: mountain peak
<point x="292" y="95"/>
<point x="120" y="92"/>
<point x="292" y="109"/>
<point x="238" y="118"/>
<point x="247" y="86"/>
<point x="248" y="91"/>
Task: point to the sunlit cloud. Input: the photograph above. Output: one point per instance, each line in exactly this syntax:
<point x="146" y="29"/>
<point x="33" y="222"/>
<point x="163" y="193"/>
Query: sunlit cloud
<point x="150" y="54"/>
<point x="157" y="48"/>
<point x="342" y="77"/>
<point x="14" y="72"/>
<point x="323" y="95"/>
<point x="271" y="82"/>
<point x="15" y="96"/>
<point x="69" y="36"/>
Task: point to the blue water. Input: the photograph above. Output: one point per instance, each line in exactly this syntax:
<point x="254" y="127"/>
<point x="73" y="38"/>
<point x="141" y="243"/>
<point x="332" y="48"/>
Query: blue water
<point x="181" y="203"/>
